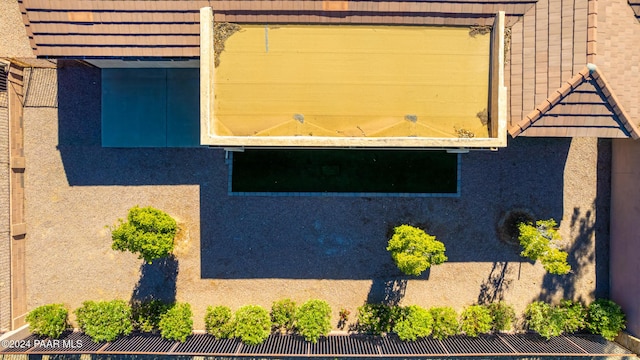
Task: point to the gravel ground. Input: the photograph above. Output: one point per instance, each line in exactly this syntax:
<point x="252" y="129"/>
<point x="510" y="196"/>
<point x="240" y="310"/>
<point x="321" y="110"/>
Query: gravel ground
<point x="15" y="42"/>
<point x="254" y="250"/>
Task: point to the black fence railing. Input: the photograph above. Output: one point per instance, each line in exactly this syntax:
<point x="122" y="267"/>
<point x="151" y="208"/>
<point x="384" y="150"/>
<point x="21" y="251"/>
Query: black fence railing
<point x="331" y="346"/>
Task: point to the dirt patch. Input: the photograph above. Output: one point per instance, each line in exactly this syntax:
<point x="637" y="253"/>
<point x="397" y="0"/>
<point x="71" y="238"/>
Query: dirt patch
<point x="479" y="30"/>
<point x="221" y="32"/>
<point x="508" y="225"/>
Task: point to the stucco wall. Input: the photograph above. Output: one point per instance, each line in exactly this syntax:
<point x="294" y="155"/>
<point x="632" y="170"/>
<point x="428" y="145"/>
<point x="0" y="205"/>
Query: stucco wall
<point x="625" y="230"/>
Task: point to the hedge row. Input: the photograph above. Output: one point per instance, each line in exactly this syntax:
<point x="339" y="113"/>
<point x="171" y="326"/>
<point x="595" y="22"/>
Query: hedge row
<point x="107" y="320"/>
<point x="413" y="322"/>
<point x="253" y="324"/>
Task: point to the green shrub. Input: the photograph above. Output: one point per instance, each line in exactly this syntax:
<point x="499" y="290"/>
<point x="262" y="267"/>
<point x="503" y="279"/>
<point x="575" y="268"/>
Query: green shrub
<point x="546" y="320"/>
<point x="539" y="242"/>
<point x="48" y="320"/>
<point x="475" y="320"/>
<point x="219" y="322"/>
<point x="313" y="319"/>
<point x="283" y="314"/>
<point x="104" y="320"/>
<point x="146" y="314"/>
<point x="253" y="324"/>
<point x="415" y="322"/>
<point x="377" y="318"/>
<point x="445" y="322"/>
<point x="605" y="318"/>
<point x="575" y="315"/>
<point x="414" y="251"/>
<point x="502" y="315"/>
<point x="176" y="323"/>
<point x="148" y="232"/>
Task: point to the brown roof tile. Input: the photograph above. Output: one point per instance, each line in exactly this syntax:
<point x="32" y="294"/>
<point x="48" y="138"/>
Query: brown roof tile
<point x="53" y="20"/>
<point x="585" y="110"/>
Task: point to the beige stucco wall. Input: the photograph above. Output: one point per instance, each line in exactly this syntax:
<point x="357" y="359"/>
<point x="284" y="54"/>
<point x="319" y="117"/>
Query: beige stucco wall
<point x="625" y="230"/>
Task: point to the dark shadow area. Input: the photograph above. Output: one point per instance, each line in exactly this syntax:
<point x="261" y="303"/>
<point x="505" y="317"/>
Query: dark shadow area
<point x="493" y="288"/>
<point x="245" y="237"/>
<point x="157" y="281"/>
<point x="602" y="225"/>
<point x="591" y="245"/>
<point x="389" y="291"/>
<point x="84" y="159"/>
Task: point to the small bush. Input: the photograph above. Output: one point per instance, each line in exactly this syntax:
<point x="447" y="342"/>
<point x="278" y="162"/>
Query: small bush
<point x="575" y="315"/>
<point x="503" y="316"/>
<point x="377" y="318"/>
<point x="414" y="251"/>
<point x="283" y="314"/>
<point x="219" y="322"/>
<point x="177" y="322"/>
<point x="146" y="314"/>
<point x="605" y="318"/>
<point x="445" y="322"/>
<point x="313" y="319"/>
<point x="48" y="320"/>
<point x="415" y="322"/>
<point x="253" y="324"/>
<point x="147" y="232"/>
<point x="539" y="243"/>
<point x="104" y="320"/>
<point x="546" y="320"/>
<point x="475" y="320"/>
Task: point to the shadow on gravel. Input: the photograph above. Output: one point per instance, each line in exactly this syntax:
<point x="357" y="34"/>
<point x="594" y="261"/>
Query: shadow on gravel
<point x="157" y="281"/>
<point x="493" y="288"/>
<point x="582" y="256"/>
<point x="389" y="291"/>
<point x="243" y="237"/>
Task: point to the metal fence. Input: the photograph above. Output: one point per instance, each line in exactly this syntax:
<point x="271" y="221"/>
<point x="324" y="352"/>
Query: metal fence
<point x="500" y="345"/>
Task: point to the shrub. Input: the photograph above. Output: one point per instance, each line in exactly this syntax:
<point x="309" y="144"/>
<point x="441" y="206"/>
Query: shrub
<point x="539" y="242"/>
<point x="377" y="318"/>
<point x="148" y="232"/>
<point x="283" y="314"/>
<point x="502" y="315"/>
<point x="445" y="322"/>
<point x="546" y="320"/>
<point x="253" y="324"/>
<point x="475" y="320"/>
<point x="415" y="322"/>
<point x="575" y="315"/>
<point x="414" y="251"/>
<point x="146" y="314"/>
<point x="176" y="323"/>
<point x="219" y="322"/>
<point x="104" y="320"/>
<point x="313" y="319"/>
<point x="604" y="317"/>
<point x="48" y="320"/>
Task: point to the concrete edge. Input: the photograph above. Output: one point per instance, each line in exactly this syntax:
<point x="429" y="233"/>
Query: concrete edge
<point x="628" y="341"/>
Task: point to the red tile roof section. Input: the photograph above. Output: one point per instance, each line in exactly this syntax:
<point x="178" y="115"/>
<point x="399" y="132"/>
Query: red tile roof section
<point x="165" y="28"/>
<point x="583" y="106"/>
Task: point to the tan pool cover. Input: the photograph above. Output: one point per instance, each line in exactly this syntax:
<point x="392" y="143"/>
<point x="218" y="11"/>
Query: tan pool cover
<point x="373" y="81"/>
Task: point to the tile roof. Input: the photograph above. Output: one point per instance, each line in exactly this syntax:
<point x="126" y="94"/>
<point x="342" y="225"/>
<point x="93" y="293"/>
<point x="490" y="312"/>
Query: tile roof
<point x="619" y="54"/>
<point x="170" y="28"/>
<point x="552" y="93"/>
<point x="635" y="6"/>
<point x="548" y="46"/>
<point x="584" y="106"/>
